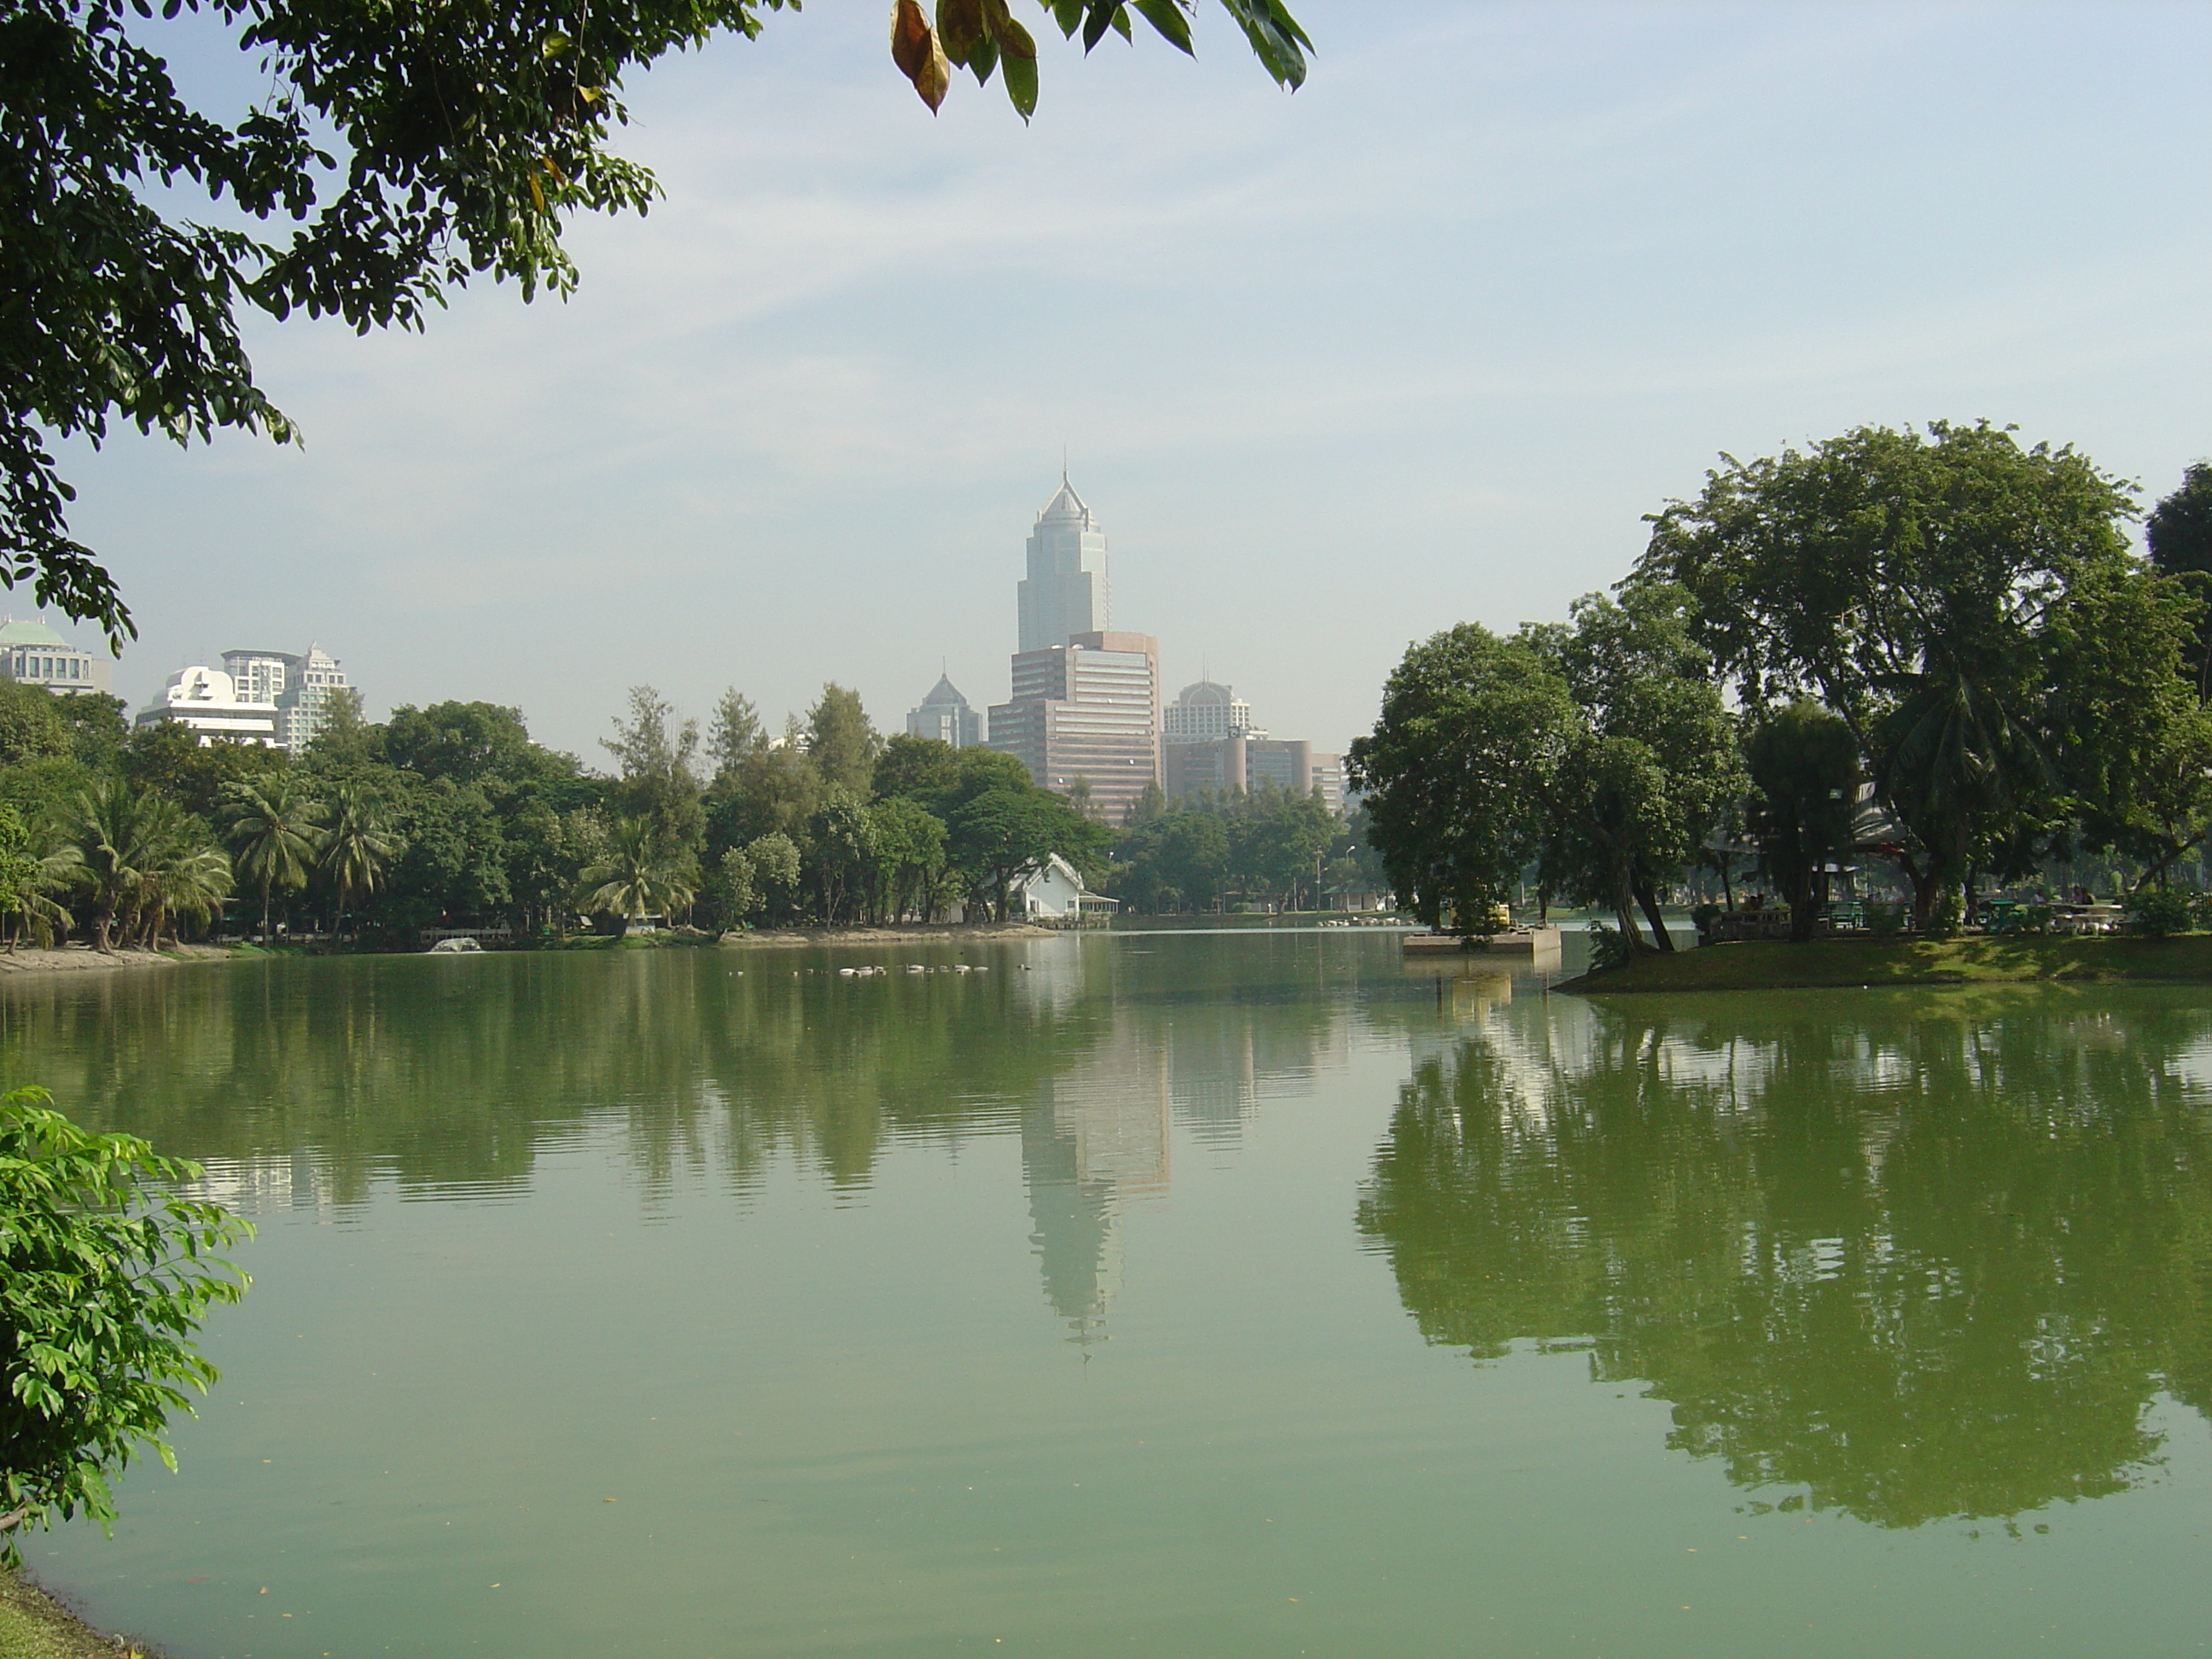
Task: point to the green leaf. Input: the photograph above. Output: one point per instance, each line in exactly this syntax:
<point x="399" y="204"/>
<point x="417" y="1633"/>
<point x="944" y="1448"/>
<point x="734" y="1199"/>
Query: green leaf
<point x="1013" y="40"/>
<point x="1169" y="21"/>
<point x="1022" y="83"/>
<point x="960" y="29"/>
<point x="1275" y="37"/>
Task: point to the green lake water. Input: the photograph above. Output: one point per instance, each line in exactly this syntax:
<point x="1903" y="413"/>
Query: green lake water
<point x="1166" y="1295"/>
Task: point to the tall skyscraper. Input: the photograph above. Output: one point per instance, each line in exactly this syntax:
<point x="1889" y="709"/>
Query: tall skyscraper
<point x="1089" y="709"/>
<point x="1064" y="593"/>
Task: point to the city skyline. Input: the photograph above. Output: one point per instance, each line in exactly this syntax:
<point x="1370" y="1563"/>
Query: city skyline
<point x="1615" y="242"/>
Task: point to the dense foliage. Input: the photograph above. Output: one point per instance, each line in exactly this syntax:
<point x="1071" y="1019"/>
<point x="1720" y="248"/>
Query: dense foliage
<point x="1599" y="752"/>
<point x="451" y="816"/>
<point x="106" y="1271"/>
<point x="1936" y="650"/>
<point x="392" y="153"/>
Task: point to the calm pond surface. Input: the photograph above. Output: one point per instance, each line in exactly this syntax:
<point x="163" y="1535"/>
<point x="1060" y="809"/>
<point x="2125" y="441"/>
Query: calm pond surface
<point x="1204" y="1295"/>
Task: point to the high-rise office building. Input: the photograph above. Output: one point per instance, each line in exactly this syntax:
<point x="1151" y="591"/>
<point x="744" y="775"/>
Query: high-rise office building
<point x="1250" y="760"/>
<point x="1089" y="709"/>
<point x="945" y="716"/>
<point x="1204" y="712"/>
<point x="1064" y="592"/>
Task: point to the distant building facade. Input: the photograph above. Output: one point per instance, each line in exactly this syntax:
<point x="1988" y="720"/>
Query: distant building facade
<point x="33" y="654"/>
<point x="1063" y="592"/>
<point x="206" y="702"/>
<point x="1204" y="712"/>
<point x="944" y="715"/>
<point x="299" y="687"/>
<point x="1089" y="709"/>
<point x="1247" y="763"/>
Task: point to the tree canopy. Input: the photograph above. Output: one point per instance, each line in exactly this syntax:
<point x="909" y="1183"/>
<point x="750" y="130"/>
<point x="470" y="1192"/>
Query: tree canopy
<point x="397" y="152"/>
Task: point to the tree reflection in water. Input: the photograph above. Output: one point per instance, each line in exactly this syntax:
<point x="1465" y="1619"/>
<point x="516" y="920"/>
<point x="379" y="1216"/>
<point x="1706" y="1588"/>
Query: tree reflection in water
<point x="1916" y="1258"/>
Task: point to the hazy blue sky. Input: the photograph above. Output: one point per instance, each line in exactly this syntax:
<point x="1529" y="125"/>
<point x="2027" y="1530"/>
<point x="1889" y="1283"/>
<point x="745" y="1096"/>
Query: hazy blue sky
<point x="1421" y="342"/>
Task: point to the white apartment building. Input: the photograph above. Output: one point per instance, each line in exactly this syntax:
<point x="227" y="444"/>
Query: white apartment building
<point x="206" y="702"/>
<point x="273" y="698"/>
<point x="299" y="686"/>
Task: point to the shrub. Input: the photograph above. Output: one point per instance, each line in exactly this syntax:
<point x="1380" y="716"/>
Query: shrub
<point x="1886" y="920"/>
<point x="2157" y="912"/>
<point x="1609" y="947"/>
<point x="1702" y="918"/>
<point x="104" y="1272"/>
<point x="1945" y="915"/>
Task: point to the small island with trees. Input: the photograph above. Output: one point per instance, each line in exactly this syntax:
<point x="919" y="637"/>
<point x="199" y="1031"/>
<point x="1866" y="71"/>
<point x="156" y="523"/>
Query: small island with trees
<point x="1931" y="660"/>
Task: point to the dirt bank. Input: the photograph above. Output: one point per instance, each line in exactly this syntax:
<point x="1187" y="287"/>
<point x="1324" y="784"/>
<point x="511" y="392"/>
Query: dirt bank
<point x="82" y="958"/>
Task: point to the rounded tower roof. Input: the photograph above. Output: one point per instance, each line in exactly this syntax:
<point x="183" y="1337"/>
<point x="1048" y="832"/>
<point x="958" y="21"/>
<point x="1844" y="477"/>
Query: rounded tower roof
<point x="1200" y="693"/>
<point x="30" y="633"/>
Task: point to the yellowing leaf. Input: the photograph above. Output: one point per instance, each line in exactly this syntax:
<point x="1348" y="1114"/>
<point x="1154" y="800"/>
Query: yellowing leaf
<point x="915" y="50"/>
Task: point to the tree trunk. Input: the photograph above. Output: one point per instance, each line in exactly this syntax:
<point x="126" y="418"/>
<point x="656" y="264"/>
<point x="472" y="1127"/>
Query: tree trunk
<point x="1624" y="912"/>
<point x="1648" y="897"/>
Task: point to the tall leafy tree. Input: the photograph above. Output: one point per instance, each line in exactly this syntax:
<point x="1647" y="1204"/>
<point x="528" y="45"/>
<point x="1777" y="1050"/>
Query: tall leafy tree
<point x="391" y="153"/>
<point x="1456" y="773"/>
<point x="909" y="855"/>
<point x="733" y="733"/>
<point x="1908" y="580"/>
<point x="1804" y="767"/>
<point x="999" y="833"/>
<point x="654" y="751"/>
<point x="843" y="740"/>
<point x="2178" y="533"/>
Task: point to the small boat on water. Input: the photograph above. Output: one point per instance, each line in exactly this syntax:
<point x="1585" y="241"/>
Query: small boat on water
<point x="1517" y="941"/>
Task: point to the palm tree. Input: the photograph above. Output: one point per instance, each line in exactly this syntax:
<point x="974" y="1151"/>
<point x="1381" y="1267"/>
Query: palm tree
<point x="635" y="876"/>
<point x="275" y="831"/>
<point x="356" y="845"/>
<point x="106" y="853"/>
<point x="183" y="872"/>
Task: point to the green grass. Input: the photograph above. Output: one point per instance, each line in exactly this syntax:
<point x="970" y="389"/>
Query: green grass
<point x="1975" y="960"/>
<point x="33" y="1625"/>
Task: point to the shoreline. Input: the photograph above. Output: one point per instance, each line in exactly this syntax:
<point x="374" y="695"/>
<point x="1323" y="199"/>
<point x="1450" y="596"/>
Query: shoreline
<point x="948" y="933"/>
<point x="35" y="1624"/>
<point x="1873" y="964"/>
<point x="83" y="959"/>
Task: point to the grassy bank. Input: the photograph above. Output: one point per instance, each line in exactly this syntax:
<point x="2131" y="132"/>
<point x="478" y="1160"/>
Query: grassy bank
<point x="33" y="1625"/>
<point x="1761" y="966"/>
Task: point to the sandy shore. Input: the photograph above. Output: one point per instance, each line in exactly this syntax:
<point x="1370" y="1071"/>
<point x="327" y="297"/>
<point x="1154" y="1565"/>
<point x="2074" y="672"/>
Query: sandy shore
<point x="945" y="933"/>
<point x="82" y="958"/>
